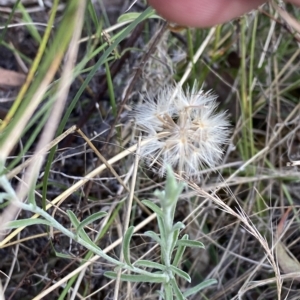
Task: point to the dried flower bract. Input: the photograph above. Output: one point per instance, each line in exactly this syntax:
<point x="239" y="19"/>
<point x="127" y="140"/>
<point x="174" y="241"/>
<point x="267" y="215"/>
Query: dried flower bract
<point x="183" y="130"/>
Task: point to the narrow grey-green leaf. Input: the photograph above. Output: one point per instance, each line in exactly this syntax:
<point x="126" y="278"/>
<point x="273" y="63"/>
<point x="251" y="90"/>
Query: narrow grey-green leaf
<point x="160" y="294"/>
<point x="181" y="273"/>
<point x="178" y="226"/>
<point x="137" y="278"/>
<point x="174" y="239"/>
<point x="161" y="195"/>
<point x="85" y="236"/>
<point x="153" y="207"/>
<point x="199" y="287"/>
<point x="168" y="291"/>
<point x="133" y="15"/>
<point x="149" y="264"/>
<point x="161" y="227"/>
<point x="126" y="244"/>
<point x="31" y="197"/>
<point x="173" y="188"/>
<point x="5" y="196"/>
<point x="153" y="236"/>
<point x="75" y="222"/>
<point x="27" y="222"/>
<point x="90" y="219"/>
<point x="180" y="252"/>
<point x="179" y="295"/>
<point x="62" y="255"/>
<point x="192" y="244"/>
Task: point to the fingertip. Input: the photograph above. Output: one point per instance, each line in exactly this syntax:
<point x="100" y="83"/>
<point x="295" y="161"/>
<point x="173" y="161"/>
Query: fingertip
<point x="202" y="13"/>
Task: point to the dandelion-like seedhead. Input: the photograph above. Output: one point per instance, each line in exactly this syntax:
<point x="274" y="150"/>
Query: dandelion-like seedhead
<point x="183" y="130"/>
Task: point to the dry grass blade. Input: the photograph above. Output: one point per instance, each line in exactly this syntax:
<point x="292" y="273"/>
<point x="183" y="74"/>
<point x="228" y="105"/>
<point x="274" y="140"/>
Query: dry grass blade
<point x="294" y="23"/>
<point x="11" y="78"/>
<point x="287" y="263"/>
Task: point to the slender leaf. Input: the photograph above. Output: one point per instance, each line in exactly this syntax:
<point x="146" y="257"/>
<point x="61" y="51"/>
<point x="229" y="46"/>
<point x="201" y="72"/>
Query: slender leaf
<point x="31" y="28"/>
<point x="181" y="273"/>
<point x="178" y="293"/>
<point x="126" y="244"/>
<point x="180" y="251"/>
<point x="27" y="222"/>
<point x="191" y="244"/>
<point x="4" y="196"/>
<point x="174" y="239"/>
<point x="173" y="188"/>
<point x="31" y="193"/>
<point x="153" y="207"/>
<point x="85" y="237"/>
<point x="81" y="233"/>
<point x="90" y="219"/>
<point x="75" y="222"/>
<point x="168" y="291"/>
<point x="157" y="278"/>
<point x="178" y="226"/>
<point x="161" y="227"/>
<point x="161" y="294"/>
<point x="199" y="287"/>
<point x="149" y="264"/>
<point x="153" y="236"/>
<point x="133" y="15"/>
<point x="62" y="255"/>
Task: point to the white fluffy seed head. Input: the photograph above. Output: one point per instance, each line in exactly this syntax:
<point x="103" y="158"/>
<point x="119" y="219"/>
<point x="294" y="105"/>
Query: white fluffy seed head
<point x="183" y="130"/>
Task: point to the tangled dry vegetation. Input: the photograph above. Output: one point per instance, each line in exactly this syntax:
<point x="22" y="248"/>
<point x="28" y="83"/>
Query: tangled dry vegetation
<point x="244" y="210"/>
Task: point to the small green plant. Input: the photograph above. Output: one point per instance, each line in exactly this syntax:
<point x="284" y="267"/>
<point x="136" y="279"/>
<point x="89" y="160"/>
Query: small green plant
<point x="172" y="247"/>
<point x="166" y="271"/>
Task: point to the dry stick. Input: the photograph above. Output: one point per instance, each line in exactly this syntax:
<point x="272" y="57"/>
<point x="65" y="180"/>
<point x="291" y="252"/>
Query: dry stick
<point x="28" y="238"/>
<point x="127" y="219"/>
<point x="107" y="30"/>
<point x="112" y="170"/>
<point x="12" y="266"/>
<point x="282" y="24"/>
<point x="1" y="292"/>
<point x="282" y="72"/>
<point x="267" y="42"/>
<point x="196" y="57"/>
<point x="294" y="23"/>
<point x="256" y="284"/>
